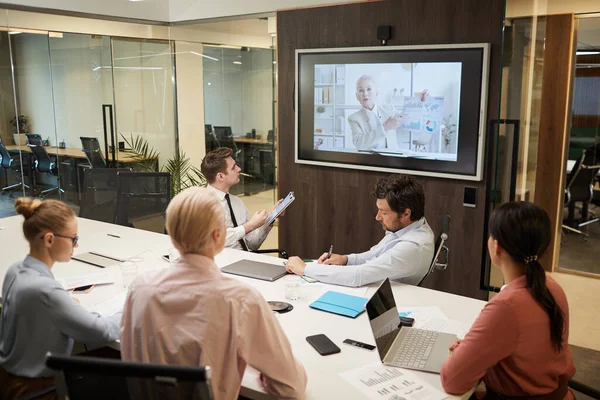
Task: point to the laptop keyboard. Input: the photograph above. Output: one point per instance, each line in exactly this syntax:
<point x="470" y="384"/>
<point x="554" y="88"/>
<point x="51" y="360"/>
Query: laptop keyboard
<point x="415" y="348"/>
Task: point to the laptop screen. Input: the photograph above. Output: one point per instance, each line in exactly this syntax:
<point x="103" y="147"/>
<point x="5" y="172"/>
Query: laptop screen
<point x="383" y="316"/>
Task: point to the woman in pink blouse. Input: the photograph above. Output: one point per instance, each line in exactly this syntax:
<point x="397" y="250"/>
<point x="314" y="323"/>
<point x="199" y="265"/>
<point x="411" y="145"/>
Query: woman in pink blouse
<point x="192" y="314"/>
<point x="519" y="342"/>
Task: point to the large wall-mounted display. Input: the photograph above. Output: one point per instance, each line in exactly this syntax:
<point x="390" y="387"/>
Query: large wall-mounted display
<point x="411" y="109"/>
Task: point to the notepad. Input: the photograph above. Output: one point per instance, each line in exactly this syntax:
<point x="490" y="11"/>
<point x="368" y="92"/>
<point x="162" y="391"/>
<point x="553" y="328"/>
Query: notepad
<point x="340" y="303"/>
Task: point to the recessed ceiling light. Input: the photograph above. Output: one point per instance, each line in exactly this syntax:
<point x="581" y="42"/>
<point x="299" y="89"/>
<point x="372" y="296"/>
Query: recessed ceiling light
<point x="237" y="62"/>
<point x="209" y="83"/>
<point x="587" y="53"/>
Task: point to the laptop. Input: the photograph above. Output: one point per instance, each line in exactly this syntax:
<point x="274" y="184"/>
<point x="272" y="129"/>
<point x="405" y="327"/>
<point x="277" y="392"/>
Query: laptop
<point x="404" y="347"/>
<point x="256" y="270"/>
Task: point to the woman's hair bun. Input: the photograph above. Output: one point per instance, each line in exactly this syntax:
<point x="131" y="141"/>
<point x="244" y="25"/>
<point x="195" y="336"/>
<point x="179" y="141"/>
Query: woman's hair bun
<point x="27" y="206"/>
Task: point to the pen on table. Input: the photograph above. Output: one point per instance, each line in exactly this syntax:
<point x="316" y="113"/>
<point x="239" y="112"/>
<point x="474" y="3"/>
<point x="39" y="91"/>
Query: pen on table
<point x="330" y="251"/>
<point x="115" y="236"/>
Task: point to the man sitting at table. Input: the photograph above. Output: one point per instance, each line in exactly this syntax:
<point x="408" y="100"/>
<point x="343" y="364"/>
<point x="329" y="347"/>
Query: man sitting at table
<point x="222" y="172"/>
<point x="405" y="252"/>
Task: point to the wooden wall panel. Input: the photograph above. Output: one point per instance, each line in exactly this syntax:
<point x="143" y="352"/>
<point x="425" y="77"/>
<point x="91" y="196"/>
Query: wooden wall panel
<point x="335" y="205"/>
<point x="556" y="82"/>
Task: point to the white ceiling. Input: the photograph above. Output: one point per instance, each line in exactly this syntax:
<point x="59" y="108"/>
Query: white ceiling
<point x="170" y="10"/>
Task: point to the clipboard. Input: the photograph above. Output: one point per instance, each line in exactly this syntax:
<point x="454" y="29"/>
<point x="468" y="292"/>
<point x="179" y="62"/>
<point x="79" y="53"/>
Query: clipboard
<point x="289" y="199"/>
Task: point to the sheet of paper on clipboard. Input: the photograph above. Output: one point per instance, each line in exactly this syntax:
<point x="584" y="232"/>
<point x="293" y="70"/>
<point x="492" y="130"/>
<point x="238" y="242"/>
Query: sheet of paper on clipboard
<point x="289" y="199"/>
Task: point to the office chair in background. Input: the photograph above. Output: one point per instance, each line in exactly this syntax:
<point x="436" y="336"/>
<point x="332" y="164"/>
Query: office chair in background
<point x="13" y="163"/>
<point x="93" y="153"/>
<point x="34" y="139"/>
<point x="225" y="138"/>
<point x="43" y="163"/>
<point x="439" y="248"/>
<point x="100" y="193"/>
<point x="580" y="188"/>
<point x="212" y="143"/>
<point x="91" y="378"/>
<point x="142" y="198"/>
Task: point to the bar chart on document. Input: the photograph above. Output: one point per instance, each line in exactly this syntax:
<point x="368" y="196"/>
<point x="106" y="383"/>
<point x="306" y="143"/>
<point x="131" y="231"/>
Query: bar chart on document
<point x="379" y="381"/>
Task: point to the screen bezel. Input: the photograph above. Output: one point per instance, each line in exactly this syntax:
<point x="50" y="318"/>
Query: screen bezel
<point x="413" y="166"/>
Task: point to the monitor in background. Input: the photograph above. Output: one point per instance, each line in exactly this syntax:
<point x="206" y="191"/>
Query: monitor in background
<point x="412" y="109"/>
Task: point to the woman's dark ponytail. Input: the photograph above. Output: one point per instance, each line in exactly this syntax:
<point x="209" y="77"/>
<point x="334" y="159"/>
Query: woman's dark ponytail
<point x="523" y="230"/>
<point x="536" y="280"/>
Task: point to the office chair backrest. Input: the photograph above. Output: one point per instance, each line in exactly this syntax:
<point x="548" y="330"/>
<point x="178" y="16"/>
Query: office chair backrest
<point x="222" y="132"/>
<point x="438" y="249"/>
<point x="43" y="161"/>
<point x="92" y="378"/>
<point x="208" y="129"/>
<point x="581" y="180"/>
<point x="93" y="152"/>
<point x="5" y="158"/>
<point x="270" y="135"/>
<point x="143" y="196"/>
<point x="100" y="193"/>
<point x="34" y="139"/>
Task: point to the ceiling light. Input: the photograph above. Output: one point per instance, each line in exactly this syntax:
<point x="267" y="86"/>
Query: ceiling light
<point x="14" y="33"/>
<point x="587" y="53"/>
<point x="237" y="62"/>
<point x="274" y="62"/>
<point x="209" y="83"/>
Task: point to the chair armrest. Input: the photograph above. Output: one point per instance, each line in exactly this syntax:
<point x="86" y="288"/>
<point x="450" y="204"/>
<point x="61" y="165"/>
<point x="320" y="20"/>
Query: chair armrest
<point x="282" y="253"/>
<point x="585" y="389"/>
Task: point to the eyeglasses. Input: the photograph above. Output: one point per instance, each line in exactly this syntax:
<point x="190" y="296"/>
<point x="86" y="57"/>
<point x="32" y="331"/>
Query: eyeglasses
<point x="74" y="239"/>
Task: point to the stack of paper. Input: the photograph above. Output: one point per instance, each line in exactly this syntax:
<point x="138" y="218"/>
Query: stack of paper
<point x="85" y="280"/>
<point x="110" y="306"/>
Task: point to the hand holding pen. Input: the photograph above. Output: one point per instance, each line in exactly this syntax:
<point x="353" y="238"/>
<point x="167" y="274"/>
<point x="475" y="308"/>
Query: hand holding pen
<point x="330" y="258"/>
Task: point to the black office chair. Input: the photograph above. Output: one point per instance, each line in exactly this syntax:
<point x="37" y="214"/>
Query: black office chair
<point x="438" y="249"/>
<point x="13" y="163"/>
<point x="212" y="143"/>
<point x="93" y="152"/>
<point x="100" y="193"/>
<point x="225" y="138"/>
<point x="267" y="167"/>
<point x="34" y="139"/>
<point x="142" y="199"/>
<point x="580" y="188"/>
<point x="44" y="164"/>
<point x="92" y="378"/>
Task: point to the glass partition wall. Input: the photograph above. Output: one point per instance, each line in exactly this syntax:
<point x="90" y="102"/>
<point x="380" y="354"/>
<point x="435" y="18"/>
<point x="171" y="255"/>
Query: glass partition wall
<point x="66" y="87"/>
<point x="240" y="113"/>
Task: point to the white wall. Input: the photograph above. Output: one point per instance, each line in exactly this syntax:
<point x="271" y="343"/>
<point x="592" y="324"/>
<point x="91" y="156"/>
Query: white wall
<point x="190" y="100"/>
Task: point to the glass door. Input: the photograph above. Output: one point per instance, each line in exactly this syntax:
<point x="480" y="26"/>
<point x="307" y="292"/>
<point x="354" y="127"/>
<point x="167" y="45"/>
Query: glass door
<point x="82" y="90"/>
<point x="144" y="95"/>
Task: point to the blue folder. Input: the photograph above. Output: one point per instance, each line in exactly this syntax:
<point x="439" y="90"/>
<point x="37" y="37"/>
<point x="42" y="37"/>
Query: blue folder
<point x="340" y="303"/>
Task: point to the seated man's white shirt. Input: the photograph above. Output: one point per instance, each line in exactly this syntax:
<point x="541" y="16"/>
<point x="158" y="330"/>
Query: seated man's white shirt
<point x="404" y="256"/>
<point x="253" y="239"/>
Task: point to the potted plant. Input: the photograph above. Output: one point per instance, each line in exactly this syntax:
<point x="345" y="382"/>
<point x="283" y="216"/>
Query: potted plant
<point x="448" y="130"/>
<point x="183" y="173"/>
<point x="320" y="110"/>
<point x="20" y="128"/>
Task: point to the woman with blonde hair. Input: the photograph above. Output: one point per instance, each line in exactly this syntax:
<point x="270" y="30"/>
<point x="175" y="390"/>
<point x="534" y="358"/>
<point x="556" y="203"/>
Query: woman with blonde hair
<point x="192" y="314"/>
<point x="38" y="314"/>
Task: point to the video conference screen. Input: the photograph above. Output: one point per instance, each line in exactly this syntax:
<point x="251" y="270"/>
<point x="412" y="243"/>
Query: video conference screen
<point x="413" y="110"/>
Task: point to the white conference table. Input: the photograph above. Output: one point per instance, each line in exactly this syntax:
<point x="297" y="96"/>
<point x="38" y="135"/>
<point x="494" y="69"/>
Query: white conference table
<point x="324" y="380"/>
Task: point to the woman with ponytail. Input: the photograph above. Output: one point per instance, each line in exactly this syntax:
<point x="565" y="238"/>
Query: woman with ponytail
<point x="39" y="316"/>
<point x="519" y="342"/>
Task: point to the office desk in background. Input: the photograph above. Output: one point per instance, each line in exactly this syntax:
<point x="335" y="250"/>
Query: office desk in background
<point x="245" y="140"/>
<point x="71" y="153"/>
<point x="324" y="381"/>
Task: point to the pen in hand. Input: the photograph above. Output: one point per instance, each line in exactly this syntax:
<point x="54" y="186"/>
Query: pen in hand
<point x="330" y="251"/>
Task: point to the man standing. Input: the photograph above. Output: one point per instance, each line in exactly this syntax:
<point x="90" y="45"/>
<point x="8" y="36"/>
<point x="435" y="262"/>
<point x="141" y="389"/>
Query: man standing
<point x="404" y="254"/>
<point x="222" y="172"/>
<point x="371" y="123"/>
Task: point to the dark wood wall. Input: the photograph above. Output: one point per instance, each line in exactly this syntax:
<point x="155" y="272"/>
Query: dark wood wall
<point x="335" y="206"/>
<point x="556" y="84"/>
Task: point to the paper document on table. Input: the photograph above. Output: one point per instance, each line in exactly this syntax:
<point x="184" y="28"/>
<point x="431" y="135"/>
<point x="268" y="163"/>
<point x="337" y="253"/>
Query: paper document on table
<point x="110" y="306"/>
<point x="446" y="326"/>
<point x="85" y="280"/>
<point x="379" y="381"/>
<point x="422" y="315"/>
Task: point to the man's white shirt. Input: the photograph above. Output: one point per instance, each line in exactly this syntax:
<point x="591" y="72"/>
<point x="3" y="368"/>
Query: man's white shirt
<point x="253" y="239"/>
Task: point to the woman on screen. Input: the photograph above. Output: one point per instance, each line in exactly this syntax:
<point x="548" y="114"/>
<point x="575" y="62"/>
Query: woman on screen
<point x="38" y="314"/>
<point x="370" y="124"/>
<point x="191" y="314"/>
<point x="519" y="342"/>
